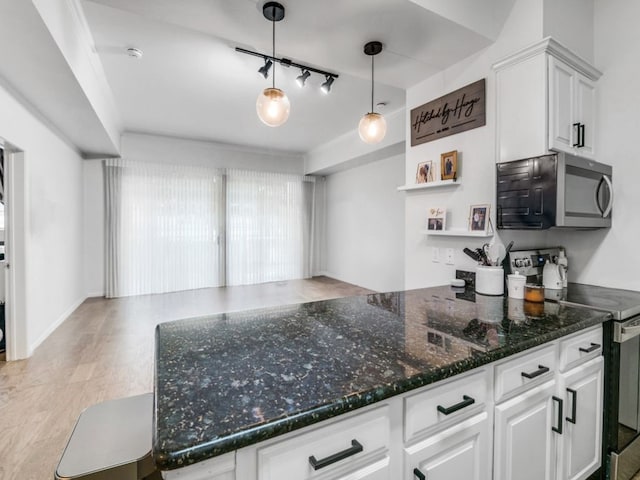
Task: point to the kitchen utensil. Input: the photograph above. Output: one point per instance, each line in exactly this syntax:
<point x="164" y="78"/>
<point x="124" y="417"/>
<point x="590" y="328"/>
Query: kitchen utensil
<point x="483" y="256"/>
<point x="496" y="253"/>
<point x="472" y="254"/>
<point x="489" y="280"/>
<point x="515" y="285"/>
<point x="551" y="277"/>
<point x="508" y="249"/>
<point x="534" y="293"/>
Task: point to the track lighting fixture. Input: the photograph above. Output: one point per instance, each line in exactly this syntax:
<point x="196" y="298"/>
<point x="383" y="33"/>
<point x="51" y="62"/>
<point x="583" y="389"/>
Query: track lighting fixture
<point x="264" y="70"/>
<point x="273" y="105"/>
<point x="372" y="127"/>
<point x="326" y="86"/>
<point x="301" y="79"/>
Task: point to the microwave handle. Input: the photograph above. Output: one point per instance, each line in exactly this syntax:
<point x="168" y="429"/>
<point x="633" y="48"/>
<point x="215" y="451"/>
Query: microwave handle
<point x="609" y="206"/>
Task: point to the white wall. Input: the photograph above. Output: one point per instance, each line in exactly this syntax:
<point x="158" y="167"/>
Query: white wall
<point x="524" y="26"/>
<point x="365" y="225"/>
<point x="610" y="257"/>
<point x="52" y="228"/>
<point x="153" y="148"/>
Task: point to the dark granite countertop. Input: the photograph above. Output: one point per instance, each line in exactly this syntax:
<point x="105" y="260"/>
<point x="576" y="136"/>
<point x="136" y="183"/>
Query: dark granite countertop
<point x="230" y="380"/>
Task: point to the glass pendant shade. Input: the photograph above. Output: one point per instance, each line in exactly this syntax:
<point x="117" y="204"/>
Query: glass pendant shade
<point x="372" y="128"/>
<point x="273" y="107"/>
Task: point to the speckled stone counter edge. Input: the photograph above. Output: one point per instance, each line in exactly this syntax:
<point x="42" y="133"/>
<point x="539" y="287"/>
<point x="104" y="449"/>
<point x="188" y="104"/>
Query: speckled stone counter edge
<point x="285" y="424"/>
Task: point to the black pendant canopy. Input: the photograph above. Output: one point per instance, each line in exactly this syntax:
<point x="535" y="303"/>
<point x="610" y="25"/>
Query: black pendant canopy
<point x="273" y="11"/>
<point x="373" y="48"/>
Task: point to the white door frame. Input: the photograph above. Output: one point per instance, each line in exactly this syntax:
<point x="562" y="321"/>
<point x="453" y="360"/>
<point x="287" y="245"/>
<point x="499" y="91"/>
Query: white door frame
<point x="15" y="167"/>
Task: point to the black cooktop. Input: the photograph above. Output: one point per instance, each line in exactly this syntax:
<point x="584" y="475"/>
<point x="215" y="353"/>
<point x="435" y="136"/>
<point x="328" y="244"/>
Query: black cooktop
<point x="623" y="304"/>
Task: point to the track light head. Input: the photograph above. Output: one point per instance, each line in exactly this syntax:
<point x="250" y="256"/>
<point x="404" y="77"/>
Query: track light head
<point x="264" y="70"/>
<point x="326" y="86"/>
<point x="301" y="79"/>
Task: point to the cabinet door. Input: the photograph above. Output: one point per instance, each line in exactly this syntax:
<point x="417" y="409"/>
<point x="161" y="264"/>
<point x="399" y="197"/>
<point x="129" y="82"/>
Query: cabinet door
<point x="525" y="444"/>
<point x="585" y="104"/>
<point x="462" y="452"/>
<point x="561" y="106"/>
<point x="579" y="453"/>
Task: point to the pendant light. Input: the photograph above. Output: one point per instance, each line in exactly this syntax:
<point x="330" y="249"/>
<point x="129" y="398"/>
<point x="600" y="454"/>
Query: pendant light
<point x="372" y="127"/>
<point x="273" y="105"/>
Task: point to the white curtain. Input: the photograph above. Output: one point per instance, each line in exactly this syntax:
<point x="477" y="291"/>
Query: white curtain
<point x="269" y="221"/>
<point x="163" y="227"/>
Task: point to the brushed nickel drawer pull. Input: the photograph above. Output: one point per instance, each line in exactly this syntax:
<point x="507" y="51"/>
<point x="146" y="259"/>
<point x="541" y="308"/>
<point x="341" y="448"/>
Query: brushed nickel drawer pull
<point x="356" y="447"/>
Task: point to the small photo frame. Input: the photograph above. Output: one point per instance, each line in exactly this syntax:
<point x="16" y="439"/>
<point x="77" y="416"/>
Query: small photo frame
<point x="424" y="173"/>
<point x="436" y="218"/>
<point x="449" y="165"/>
<point x="479" y="218"/>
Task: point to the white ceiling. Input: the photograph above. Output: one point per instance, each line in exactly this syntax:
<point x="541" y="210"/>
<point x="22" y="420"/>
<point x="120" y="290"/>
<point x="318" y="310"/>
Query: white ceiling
<point x="191" y="83"/>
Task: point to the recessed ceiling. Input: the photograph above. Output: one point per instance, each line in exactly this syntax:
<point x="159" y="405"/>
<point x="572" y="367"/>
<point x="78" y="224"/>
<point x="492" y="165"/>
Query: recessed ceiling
<point x="191" y="83"/>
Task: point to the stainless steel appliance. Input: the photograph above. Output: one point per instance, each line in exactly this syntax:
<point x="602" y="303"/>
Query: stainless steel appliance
<point x="621" y="436"/>
<point x="554" y="191"/>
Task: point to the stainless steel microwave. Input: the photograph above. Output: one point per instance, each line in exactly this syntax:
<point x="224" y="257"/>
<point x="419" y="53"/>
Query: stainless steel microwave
<point x="554" y="191"/>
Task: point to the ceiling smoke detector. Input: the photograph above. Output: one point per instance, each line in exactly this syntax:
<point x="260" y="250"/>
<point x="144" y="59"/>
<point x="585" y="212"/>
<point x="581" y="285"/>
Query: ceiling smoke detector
<point x="134" y="52"/>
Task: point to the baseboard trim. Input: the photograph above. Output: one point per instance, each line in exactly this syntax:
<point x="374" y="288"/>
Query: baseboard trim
<point x="55" y="325"/>
<point x="95" y="294"/>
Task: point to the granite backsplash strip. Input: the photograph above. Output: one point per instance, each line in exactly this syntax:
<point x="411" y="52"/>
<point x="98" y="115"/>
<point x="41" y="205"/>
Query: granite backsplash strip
<point x="231" y="380"/>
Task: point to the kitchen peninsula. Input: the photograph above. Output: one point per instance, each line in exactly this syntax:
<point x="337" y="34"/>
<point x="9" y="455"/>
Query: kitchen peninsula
<point x="234" y="382"/>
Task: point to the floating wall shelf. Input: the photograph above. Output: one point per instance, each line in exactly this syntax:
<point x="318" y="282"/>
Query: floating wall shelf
<point x="457" y="233"/>
<point x="436" y="184"/>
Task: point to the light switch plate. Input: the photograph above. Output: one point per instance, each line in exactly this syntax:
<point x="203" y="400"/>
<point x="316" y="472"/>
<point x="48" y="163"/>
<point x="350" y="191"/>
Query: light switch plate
<point x="449" y="256"/>
<point x="435" y="254"/>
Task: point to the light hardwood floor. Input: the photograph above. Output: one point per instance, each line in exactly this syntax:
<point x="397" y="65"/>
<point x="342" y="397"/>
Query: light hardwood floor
<point x="104" y="350"/>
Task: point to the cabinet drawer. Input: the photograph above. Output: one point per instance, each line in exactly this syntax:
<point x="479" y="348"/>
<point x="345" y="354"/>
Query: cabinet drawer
<point x="291" y="458"/>
<point x="456" y="399"/>
<point x="580" y="348"/>
<point x="519" y="374"/>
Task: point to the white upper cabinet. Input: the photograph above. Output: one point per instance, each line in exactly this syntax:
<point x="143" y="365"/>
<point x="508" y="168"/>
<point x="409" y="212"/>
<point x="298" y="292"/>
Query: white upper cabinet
<point x="546" y="98"/>
<point x="571" y="110"/>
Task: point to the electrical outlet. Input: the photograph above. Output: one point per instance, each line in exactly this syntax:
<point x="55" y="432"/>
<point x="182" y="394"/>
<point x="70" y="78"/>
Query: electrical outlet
<point x="449" y="256"/>
<point x="435" y="254"/>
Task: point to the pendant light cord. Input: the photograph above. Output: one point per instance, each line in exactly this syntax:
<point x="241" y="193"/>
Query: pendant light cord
<point x="372" y="83"/>
<point x="273" y="25"/>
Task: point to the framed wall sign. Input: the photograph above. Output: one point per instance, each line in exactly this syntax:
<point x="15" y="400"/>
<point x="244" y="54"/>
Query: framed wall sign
<point x="458" y="111"/>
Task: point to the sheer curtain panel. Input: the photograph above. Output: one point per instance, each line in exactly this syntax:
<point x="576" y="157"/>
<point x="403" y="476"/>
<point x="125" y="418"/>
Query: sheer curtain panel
<point x="269" y="222"/>
<point x="164" y="227"/>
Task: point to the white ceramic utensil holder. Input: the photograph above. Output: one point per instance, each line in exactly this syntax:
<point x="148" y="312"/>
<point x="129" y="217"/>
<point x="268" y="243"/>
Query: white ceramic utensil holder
<point x="490" y="280"/>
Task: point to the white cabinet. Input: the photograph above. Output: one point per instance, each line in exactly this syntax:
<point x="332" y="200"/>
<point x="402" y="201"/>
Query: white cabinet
<point x="461" y="452"/>
<point x="356" y="446"/>
<point x="546" y="99"/>
<point x="580" y="443"/>
<point x="571" y="110"/>
<point x="525" y="442"/>
<point x="551" y="430"/>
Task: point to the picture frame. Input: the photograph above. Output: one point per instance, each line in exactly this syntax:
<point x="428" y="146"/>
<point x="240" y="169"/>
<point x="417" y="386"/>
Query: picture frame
<point x="449" y="165"/>
<point x="436" y="219"/>
<point x="424" y="172"/>
<point x="479" y="218"/>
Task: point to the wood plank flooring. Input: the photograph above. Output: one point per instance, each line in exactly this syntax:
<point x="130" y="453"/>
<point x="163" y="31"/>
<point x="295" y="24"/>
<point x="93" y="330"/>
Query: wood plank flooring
<point x="104" y="350"/>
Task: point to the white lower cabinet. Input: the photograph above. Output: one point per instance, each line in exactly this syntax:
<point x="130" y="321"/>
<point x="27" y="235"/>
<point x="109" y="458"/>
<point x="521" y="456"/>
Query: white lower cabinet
<point x="580" y="444"/>
<point x="461" y="452"/>
<point x="524" y="442"/>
